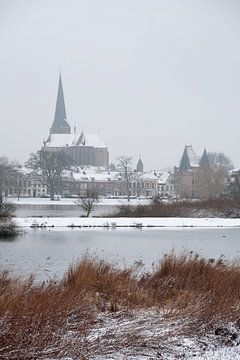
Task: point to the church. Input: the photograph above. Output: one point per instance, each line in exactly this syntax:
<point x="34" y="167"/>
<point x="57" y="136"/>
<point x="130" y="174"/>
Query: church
<point x="84" y="149"/>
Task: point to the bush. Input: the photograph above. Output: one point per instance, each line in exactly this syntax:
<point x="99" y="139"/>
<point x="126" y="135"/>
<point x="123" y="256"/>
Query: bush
<point x="6" y="210"/>
<point x="8" y="229"/>
<point x="226" y="208"/>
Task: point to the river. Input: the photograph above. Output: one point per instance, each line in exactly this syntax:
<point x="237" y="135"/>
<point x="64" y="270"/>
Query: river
<point x="48" y="253"/>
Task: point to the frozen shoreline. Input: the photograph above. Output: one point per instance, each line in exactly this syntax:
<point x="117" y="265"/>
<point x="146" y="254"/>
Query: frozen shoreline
<point x="99" y="222"/>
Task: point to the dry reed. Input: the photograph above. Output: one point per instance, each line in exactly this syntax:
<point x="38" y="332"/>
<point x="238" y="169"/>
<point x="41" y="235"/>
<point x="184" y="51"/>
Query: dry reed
<point x="54" y="319"/>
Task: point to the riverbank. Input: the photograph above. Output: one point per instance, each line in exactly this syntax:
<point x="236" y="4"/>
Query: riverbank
<point x="187" y="307"/>
<point x="83" y="222"/>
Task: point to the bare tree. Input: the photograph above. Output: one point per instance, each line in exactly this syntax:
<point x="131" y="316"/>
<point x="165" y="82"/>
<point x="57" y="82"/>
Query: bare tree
<point x="124" y="164"/>
<point x="218" y="176"/>
<point x="220" y="160"/>
<point x="88" y="203"/>
<point x="6" y="170"/>
<point x="50" y="165"/>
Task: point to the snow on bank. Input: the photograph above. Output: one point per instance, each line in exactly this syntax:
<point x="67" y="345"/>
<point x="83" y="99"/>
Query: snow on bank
<point x="127" y="222"/>
<point x="148" y="334"/>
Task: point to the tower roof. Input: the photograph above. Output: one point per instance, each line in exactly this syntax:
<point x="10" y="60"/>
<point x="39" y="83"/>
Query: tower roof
<point x="60" y="124"/>
<point x="189" y="159"/>
<point x="140" y="163"/>
<point x="204" y="159"/>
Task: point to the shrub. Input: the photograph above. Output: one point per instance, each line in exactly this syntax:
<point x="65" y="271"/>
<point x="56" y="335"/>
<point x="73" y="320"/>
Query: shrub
<point x="204" y="208"/>
<point x="8" y="229"/>
<point x="6" y="210"/>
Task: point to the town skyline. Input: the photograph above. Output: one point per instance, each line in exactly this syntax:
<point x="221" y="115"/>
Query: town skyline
<point x="146" y="87"/>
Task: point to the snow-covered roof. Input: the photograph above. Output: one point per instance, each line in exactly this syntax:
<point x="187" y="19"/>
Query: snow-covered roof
<point x="60" y="140"/>
<point x="163" y="178"/>
<point x="92" y="176"/>
<point x="149" y="176"/>
<point x="63" y="140"/>
<point x="93" y="140"/>
<point x="189" y="159"/>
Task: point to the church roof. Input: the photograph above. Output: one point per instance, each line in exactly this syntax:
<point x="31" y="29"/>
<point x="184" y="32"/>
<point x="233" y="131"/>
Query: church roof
<point x="63" y="140"/>
<point x="60" y="124"/>
<point x="189" y="159"/>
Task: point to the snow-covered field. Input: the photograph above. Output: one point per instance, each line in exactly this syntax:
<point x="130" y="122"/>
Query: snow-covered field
<point x="127" y="222"/>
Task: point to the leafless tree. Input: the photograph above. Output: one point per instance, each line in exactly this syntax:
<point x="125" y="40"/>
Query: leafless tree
<point x="50" y="165"/>
<point x="124" y="165"/>
<point x="218" y="176"/>
<point x="88" y="203"/>
<point x="6" y="170"/>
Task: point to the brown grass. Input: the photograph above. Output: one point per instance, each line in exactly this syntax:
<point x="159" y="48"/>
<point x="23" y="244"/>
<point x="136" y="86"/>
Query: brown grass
<point x="217" y="207"/>
<point x="54" y="319"/>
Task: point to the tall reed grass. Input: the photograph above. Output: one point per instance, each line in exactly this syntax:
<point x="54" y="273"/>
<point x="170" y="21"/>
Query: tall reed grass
<point x="53" y="319"/>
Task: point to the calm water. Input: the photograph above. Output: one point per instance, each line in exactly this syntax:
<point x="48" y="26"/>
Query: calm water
<point x="49" y="252"/>
<point x="25" y="210"/>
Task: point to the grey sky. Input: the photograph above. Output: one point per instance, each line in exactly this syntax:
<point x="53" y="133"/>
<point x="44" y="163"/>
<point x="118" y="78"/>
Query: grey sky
<point x="148" y="75"/>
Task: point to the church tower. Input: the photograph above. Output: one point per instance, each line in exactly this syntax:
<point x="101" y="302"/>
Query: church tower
<point x="60" y="124"/>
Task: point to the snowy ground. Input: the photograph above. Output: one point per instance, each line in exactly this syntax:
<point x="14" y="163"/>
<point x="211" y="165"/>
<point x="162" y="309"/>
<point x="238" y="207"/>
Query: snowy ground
<point x="63" y="201"/>
<point x="127" y="222"/>
<point x="150" y="334"/>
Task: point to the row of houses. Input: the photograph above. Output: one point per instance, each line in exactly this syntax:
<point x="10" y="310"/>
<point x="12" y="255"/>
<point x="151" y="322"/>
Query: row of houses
<point x="93" y="181"/>
<point x="192" y="179"/>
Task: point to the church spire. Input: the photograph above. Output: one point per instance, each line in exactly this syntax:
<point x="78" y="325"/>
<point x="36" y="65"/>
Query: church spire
<point x="60" y="124"/>
<point x="140" y="165"/>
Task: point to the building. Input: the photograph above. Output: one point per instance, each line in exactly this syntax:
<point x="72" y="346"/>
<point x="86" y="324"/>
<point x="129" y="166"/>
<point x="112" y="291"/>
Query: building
<point x="166" y="185"/>
<point x="89" y="181"/>
<point x="193" y="176"/>
<point x="234" y="183"/>
<point x="22" y="182"/>
<point x="84" y="149"/>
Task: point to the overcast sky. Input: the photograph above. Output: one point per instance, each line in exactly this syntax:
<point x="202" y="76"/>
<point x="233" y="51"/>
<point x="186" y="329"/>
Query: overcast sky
<point x="148" y="76"/>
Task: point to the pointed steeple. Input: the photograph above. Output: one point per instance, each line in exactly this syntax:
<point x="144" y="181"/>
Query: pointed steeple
<point x="60" y="124"/>
<point x="140" y="165"/>
<point x="204" y="159"/>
